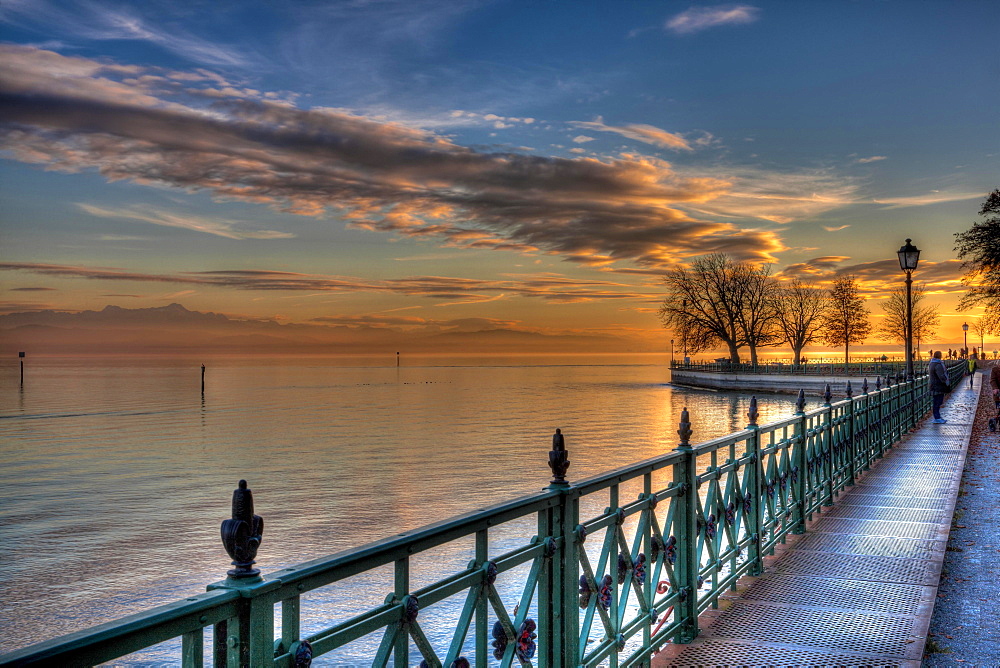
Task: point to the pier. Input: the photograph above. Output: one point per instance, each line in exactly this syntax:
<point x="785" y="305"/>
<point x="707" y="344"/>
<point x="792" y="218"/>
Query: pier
<point x="789" y="507"/>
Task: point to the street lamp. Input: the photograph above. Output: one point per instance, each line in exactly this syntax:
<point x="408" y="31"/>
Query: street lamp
<point x="684" y="334"/>
<point x="908" y="257"/>
<point x="965" y="331"/>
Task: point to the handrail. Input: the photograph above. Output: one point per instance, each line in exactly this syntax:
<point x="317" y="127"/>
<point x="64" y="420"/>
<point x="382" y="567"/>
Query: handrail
<point x="616" y="585"/>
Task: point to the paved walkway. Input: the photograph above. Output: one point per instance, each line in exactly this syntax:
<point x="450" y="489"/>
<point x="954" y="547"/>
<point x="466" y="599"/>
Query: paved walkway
<point x="859" y="587"/>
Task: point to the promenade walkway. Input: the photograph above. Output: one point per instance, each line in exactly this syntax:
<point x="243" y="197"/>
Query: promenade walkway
<point x="858" y="589"/>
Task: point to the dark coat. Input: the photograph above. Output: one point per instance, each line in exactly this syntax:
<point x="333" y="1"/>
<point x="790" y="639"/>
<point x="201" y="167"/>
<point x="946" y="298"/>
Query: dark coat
<point x="938" y="374"/>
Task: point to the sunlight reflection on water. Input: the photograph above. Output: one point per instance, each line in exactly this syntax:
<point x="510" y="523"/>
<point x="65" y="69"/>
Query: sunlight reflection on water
<point x="116" y="473"/>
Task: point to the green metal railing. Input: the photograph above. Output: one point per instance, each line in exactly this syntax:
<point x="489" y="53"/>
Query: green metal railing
<point x="610" y="589"/>
<point x="812" y="368"/>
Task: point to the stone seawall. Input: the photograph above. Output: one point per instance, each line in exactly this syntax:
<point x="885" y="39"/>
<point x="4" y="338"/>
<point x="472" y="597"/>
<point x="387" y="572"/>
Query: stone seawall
<point x="781" y="383"/>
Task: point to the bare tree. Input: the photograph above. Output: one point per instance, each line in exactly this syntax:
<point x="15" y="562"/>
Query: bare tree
<point x="702" y="304"/>
<point x="893" y="326"/>
<point x="798" y="311"/>
<point x="757" y="309"/>
<point x="846" y="320"/>
<point x="986" y="325"/>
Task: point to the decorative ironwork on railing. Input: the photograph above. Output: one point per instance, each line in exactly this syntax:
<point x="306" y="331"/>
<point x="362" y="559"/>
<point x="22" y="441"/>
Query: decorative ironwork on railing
<point x="611" y="588"/>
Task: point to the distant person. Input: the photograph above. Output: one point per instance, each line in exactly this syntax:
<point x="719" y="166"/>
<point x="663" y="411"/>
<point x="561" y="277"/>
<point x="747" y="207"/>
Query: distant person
<point x="972" y="370"/>
<point x="938" y="378"/>
<point x="995" y="381"/>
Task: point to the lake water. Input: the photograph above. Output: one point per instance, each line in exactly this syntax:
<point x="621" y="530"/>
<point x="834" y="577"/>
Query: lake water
<point x="115" y="474"/>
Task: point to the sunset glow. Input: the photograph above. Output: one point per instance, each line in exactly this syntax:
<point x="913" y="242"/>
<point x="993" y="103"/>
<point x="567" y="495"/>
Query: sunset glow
<point x="353" y="176"/>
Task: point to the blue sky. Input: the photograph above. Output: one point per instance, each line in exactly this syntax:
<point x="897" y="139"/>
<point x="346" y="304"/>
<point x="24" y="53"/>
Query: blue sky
<point x="532" y="165"/>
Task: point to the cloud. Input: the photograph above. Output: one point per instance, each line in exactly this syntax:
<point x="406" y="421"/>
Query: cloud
<point x="75" y="114"/>
<point x="217" y="227"/>
<point x="644" y="133"/>
<point x="933" y="197"/>
<point x="582" y="139"/>
<point x="879" y="276"/>
<point x="779" y="197"/>
<point x="417" y="323"/>
<point x="835" y="229"/>
<point x="874" y="158"/>
<point x="549" y="287"/>
<point x="100" y="22"/>
<point x="697" y="19"/>
<point x="32" y="289"/>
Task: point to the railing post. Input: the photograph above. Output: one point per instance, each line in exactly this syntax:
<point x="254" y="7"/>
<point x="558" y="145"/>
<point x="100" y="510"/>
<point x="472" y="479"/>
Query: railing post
<point x="686" y="572"/>
<point x="880" y="405"/>
<point x="558" y="618"/>
<point x="852" y="454"/>
<point x="756" y="552"/>
<point x="828" y="450"/>
<point x="865" y="429"/>
<point x="248" y="638"/>
<point x="801" y="466"/>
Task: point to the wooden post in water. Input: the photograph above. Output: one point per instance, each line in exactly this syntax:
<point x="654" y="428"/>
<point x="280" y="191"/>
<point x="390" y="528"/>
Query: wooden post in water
<point x="21" y="356"/>
<point x="203" y="379"/>
<point x="397" y="360"/>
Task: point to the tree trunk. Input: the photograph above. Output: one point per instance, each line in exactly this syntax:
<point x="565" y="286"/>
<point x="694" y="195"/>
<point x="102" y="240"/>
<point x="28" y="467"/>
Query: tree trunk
<point x="798" y="355"/>
<point x="734" y="353"/>
<point x="753" y="355"/>
<point x="847" y="359"/>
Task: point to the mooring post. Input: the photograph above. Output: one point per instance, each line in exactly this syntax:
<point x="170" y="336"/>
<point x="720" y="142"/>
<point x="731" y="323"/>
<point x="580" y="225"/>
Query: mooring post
<point x="756" y="489"/>
<point x="801" y="473"/>
<point x="21" y="359"/>
<point x="686" y="569"/>
<point x="203" y="379"/>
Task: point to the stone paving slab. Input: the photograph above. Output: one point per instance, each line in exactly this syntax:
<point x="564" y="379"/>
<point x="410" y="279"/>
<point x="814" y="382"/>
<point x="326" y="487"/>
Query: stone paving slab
<point x="858" y="589"/>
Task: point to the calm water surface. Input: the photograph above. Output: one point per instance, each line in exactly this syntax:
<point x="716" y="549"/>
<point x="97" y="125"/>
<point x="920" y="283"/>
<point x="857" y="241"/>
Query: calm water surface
<point x="116" y="473"/>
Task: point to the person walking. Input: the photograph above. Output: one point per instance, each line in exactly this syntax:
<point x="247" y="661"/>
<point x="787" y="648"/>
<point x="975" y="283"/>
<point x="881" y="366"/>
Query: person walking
<point x="972" y="370"/>
<point x="995" y="381"/>
<point x="937" y="375"/>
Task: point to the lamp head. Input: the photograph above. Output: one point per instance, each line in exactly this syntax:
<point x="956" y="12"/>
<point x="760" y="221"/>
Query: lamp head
<point x="908" y="256"/>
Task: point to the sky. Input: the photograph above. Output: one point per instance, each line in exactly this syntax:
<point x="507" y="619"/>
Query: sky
<point x="425" y="165"/>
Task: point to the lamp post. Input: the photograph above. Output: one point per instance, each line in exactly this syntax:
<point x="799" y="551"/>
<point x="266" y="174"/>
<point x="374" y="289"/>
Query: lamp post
<point x="908" y="257"/>
<point x="684" y="334"/>
<point x="965" y="332"/>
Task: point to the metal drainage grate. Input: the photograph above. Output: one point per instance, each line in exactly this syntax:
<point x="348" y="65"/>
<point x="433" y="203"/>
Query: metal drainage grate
<point x="888" y="514"/>
<point x="826" y="593"/>
<point x="908" y="469"/>
<point x="857" y="567"/>
<point x="897" y="487"/>
<point x="890" y="501"/>
<point x="942" y="452"/>
<point x="921" y="479"/>
<point x="720" y="653"/>
<point x="860" y="631"/>
<point x="876" y="528"/>
<point x="876" y="546"/>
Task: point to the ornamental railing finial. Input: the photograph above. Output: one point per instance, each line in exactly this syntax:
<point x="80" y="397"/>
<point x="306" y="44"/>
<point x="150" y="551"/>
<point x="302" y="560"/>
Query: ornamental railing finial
<point x="241" y="535"/>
